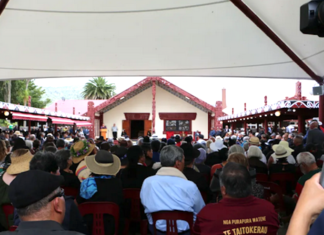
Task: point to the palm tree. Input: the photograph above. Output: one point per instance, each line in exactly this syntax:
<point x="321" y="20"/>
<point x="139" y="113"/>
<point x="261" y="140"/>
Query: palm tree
<point x="98" y="89"/>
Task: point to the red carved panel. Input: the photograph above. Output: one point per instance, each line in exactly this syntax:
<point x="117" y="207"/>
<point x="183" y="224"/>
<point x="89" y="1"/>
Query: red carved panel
<point x="177" y="116"/>
<point x="137" y="116"/>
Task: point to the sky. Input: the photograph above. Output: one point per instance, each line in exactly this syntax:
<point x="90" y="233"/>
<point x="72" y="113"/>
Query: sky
<point x="208" y="89"/>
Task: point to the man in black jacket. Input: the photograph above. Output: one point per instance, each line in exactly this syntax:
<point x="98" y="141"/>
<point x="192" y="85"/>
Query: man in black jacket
<point x="315" y="136"/>
<point x="43" y="210"/>
<point x="190" y="171"/>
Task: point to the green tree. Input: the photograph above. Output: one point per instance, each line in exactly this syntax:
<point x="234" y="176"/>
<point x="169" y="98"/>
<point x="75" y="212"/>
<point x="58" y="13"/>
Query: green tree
<point x="98" y="89"/>
<point x="20" y="92"/>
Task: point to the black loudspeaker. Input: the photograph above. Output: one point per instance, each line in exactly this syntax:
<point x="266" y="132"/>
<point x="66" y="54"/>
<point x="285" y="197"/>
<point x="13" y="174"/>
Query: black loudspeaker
<point x="318" y="90"/>
<point x="312" y="18"/>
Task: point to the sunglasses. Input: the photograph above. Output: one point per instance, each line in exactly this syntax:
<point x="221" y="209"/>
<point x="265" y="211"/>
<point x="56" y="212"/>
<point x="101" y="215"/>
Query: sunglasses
<point x="59" y="194"/>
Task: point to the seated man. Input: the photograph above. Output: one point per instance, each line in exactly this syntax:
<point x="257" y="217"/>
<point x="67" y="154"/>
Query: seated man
<point x="308" y="167"/>
<point x="238" y="212"/>
<point x="170" y="190"/>
<point x="43" y="210"/>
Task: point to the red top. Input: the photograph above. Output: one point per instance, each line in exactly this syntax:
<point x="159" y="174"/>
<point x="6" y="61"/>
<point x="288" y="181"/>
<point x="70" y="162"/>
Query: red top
<point x="248" y="215"/>
<point x="178" y="144"/>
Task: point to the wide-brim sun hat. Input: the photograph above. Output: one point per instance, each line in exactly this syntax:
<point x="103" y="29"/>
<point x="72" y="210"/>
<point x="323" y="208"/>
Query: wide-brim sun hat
<point x="19" y="164"/>
<point x="254" y="141"/>
<point x="283" y="143"/>
<point x="217" y="145"/>
<point x="103" y="163"/>
<point x="80" y="150"/>
<point x="281" y="152"/>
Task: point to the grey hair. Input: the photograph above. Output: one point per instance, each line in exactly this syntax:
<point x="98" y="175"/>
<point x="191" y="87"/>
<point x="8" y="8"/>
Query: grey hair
<point x="32" y="137"/>
<point x="170" y="155"/>
<point x="235" y="149"/>
<point x="37" y="206"/>
<point x="306" y="157"/>
<point x="254" y="151"/>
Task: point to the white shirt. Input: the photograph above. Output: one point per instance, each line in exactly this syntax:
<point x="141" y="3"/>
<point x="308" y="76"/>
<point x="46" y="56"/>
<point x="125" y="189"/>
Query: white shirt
<point x="114" y="129"/>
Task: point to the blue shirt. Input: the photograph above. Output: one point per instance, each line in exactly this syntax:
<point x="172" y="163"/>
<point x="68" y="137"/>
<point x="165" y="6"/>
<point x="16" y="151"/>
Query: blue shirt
<point x="318" y="225"/>
<point x="167" y="193"/>
<point x="212" y="133"/>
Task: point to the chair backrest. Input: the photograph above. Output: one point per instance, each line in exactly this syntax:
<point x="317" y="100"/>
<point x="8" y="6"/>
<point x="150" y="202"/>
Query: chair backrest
<point x="283" y="179"/>
<point x="204" y="195"/>
<point x="134" y="195"/>
<point x="262" y="177"/>
<point x="98" y="209"/>
<point x="319" y="163"/>
<point x="8" y="209"/>
<point x="13" y="228"/>
<point x="68" y="191"/>
<point x="214" y="168"/>
<point x="271" y="188"/>
<point x="171" y="218"/>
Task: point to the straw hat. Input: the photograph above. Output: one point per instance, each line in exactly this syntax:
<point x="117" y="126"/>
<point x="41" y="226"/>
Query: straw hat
<point x="281" y="152"/>
<point x="254" y="141"/>
<point x="19" y="164"/>
<point x="217" y="145"/>
<point x="80" y="150"/>
<point x="283" y="143"/>
<point x="17" y="133"/>
<point x="103" y="163"/>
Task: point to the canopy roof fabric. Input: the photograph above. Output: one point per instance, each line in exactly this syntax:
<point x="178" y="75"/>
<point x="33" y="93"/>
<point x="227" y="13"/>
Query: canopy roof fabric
<point x="30" y="117"/>
<point x="65" y="38"/>
<point x="83" y="123"/>
<point x="62" y="121"/>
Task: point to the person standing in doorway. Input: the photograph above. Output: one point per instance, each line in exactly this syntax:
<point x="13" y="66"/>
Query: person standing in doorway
<point x="114" y="130"/>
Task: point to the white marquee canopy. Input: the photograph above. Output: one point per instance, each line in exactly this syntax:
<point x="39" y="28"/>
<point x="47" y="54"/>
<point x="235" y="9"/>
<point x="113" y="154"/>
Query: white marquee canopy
<point x="62" y="38"/>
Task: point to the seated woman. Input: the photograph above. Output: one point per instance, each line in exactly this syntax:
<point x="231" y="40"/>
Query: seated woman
<point x="19" y="159"/>
<point x="290" y="158"/>
<point x="64" y="160"/>
<point x="135" y="173"/>
<point x="103" y="186"/>
<point x="254" y="156"/>
<point x="282" y="165"/>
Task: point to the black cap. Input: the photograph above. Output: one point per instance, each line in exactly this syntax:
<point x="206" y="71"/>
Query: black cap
<point x="190" y="152"/>
<point x="31" y="186"/>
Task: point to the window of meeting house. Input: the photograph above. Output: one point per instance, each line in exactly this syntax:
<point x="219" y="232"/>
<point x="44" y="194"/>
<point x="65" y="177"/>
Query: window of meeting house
<point x="177" y="125"/>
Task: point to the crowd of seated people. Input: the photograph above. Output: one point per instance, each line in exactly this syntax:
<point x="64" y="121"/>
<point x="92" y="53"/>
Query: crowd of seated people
<point x="225" y="175"/>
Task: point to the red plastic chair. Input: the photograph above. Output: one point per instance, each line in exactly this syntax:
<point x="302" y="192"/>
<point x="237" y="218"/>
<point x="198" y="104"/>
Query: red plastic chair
<point x="171" y="218"/>
<point x="8" y="209"/>
<point x="273" y="188"/>
<point x="283" y="179"/>
<point x="13" y="228"/>
<point x="214" y="168"/>
<point x="98" y="209"/>
<point x="136" y="207"/>
<point x="262" y="177"/>
<point x="68" y="191"/>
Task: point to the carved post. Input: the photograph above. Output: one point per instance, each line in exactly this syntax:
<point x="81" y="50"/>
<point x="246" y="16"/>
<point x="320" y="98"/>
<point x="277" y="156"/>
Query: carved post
<point x="244" y="107"/>
<point x="73" y="110"/>
<point x="55" y="107"/>
<point x="265" y="100"/>
<point x="29" y="101"/>
<point x="298" y="91"/>
<point x="153" y="105"/>
<point x="232" y="111"/>
<point x="91" y="114"/>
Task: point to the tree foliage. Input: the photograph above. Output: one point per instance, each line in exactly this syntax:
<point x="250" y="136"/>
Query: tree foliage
<point x="19" y="93"/>
<point x="98" y="89"/>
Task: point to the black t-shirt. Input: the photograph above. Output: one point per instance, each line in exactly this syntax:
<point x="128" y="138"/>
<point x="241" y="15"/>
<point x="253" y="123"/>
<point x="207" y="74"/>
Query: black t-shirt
<point x="142" y="172"/>
<point x="197" y="178"/>
<point x="70" y="180"/>
<point x="109" y="190"/>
